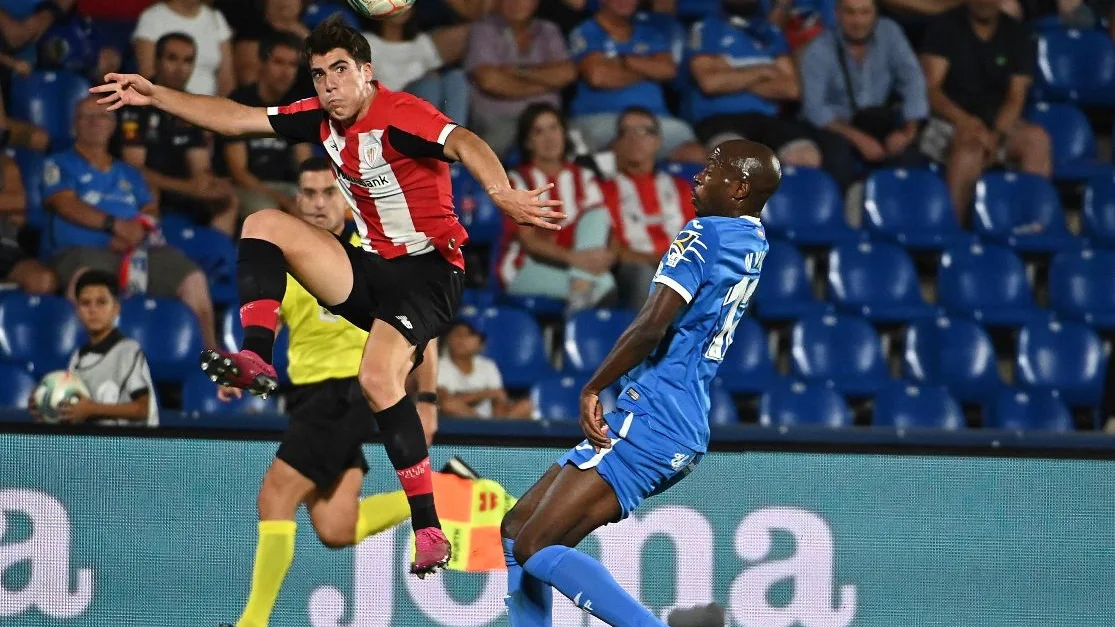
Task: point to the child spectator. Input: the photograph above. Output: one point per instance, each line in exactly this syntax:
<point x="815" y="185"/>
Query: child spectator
<point x="112" y="367"/>
<point x="469" y="384"/>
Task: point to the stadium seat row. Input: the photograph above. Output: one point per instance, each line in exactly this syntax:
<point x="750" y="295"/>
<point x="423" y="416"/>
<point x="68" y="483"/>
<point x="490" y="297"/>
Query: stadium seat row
<point x="986" y="282"/>
<point x="40" y="333"/>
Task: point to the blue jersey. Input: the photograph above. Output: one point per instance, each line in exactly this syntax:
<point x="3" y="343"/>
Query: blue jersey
<point x="647" y="39"/>
<point x="742" y="43"/>
<point x="714" y="264"/>
<point x="119" y="191"/>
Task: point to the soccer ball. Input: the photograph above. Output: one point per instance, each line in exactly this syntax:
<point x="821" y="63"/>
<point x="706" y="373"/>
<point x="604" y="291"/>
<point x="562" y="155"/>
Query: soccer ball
<point x="57" y="389"/>
<point x="380" y="9"/>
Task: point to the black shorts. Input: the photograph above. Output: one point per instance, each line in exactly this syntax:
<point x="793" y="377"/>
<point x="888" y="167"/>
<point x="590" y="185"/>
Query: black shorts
<point x="329" y="422"/>
<point x="417" y="295"/>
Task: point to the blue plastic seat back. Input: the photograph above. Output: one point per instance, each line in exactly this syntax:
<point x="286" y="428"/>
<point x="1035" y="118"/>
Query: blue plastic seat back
<point x="796" y="403"/>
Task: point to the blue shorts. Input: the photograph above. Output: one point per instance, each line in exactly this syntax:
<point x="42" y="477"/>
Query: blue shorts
<point x="640" y="464"/>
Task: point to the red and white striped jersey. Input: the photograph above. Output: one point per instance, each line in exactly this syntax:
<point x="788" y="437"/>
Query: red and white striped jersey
<point x="574" y="186"/>
<point x="648" y="210"/>
<point x="391" y="168"/>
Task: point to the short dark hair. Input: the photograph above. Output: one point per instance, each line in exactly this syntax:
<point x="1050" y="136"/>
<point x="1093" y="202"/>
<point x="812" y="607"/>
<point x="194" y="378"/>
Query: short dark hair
<point x="279" y="39"/>
<point x="333" y="33"/>
<point x="93" y="278"/>
<point x="637" y="110"/>
<point x="527" y="119"/>
<point x="161" y="44"/>
<point x="314" y="164"/>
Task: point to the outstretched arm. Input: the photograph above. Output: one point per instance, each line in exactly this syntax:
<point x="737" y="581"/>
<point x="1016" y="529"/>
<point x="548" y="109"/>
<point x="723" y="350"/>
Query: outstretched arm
<point x="522" y="206"/>
<point x="219" y="115"/>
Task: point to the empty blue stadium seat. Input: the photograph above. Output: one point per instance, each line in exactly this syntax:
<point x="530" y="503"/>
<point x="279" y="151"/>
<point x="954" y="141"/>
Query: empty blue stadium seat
<point x="515" y="343"/>
<point x="557" y="398"/>
<point x="986" y="282"/>
<point x="686" y="171"/>
<point x="232" y="335"/>
<point x="472" y="297"/>
<point x="1022" y="211"/>
<point x="169" y="334"/>
<point x="1074" y="143"/>
<point x="42" y="331"/>
<point x="956" y="353"/>
<point x="48" y="100"/>
<point x="908" y="406"/>
<point x="540" y="306"/>
<point x="876" y="280"/>
<point x="202" y="409"/>
<point x="1033" y="410"/>
<point x="912" y="207"/>
<point x="16" y="385"/>
<point x="1082" y="286"/>
<point x="1075" y="65"/>
<point x="796" y="403"/>
<point x="722" y="408"/>
<point x="213" y="251"/>
<point x="590" y="335"/>
<point x="482" y="219"/>
<point x="747" y="367"/>
<point x="839" y="348"/>
<point x="785" y="291"/>
<point x="807" y="208"/>
<point x="1099" y="211"/>
<point x="1063" y="356"/>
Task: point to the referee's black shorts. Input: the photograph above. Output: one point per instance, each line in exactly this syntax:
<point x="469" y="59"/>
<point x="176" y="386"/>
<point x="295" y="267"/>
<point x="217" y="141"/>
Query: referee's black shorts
<point x="417" y="295"/>
<point x="329" y="422"/>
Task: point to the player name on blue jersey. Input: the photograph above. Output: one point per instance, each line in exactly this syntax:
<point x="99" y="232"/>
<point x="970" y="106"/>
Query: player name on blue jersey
<point x="714" y="264"/>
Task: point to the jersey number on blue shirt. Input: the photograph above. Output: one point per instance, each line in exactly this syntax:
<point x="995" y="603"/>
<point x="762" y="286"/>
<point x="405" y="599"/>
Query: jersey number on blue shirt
<point x="735" y="304"/>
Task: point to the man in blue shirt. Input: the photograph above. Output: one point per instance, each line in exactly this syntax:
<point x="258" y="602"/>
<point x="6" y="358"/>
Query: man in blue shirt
<point x="102" y="212"/>
<point x="666" y="359"/>
<point x="742" y="72"/>
<point x="870" y="56"/>
<point x="622" y="62"/>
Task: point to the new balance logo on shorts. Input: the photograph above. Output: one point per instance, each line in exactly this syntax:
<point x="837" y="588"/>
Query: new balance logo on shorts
<point x="405" y="321"/>
<point x="679" y="461"/>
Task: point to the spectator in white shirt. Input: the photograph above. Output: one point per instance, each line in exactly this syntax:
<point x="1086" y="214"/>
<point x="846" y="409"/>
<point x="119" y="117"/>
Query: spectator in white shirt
<point x="213" y="75"/>
<point x="469" y="384"/>
<point x="408" y="60"/>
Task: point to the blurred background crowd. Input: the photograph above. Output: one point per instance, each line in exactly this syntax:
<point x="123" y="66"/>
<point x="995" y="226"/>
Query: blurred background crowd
<point x="942" y="248"/>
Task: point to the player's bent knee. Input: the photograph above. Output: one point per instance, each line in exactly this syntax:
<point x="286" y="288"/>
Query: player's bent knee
<point x="263" y="224"/>
<point x="334" y="536"/>
<point x="379" y="387"/>
<point x="532" y="539"/>
<point x="512" y="523"/>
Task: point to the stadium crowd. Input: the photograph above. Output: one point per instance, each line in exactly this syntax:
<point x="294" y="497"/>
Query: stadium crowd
<point x="942" y="249"/>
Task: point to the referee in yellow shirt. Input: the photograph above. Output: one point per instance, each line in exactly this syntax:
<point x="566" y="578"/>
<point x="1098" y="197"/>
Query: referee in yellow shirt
<point x="320" y="461"/>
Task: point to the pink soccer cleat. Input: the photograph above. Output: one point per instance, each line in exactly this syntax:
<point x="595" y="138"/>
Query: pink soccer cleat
<point x="245" y="370"/>
<point x="433" y="551"/>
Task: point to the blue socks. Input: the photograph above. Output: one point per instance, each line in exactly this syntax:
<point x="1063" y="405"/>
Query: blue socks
<point x="589" y="585"/>
<point x="529" y="601"/>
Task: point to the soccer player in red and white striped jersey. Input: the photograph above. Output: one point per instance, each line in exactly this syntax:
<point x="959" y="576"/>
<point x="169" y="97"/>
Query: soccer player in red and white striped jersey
<point x="648" y="208"/>
<point x="390" y="152"/>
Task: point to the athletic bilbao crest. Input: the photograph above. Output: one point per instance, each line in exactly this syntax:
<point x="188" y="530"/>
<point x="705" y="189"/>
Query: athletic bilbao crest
<point x="372" y="152"/>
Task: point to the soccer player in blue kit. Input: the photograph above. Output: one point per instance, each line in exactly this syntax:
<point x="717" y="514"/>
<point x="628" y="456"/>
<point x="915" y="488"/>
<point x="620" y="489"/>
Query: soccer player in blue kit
<point x="659" y="431"/>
